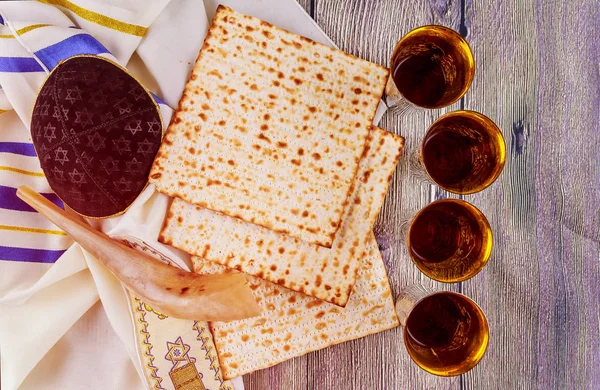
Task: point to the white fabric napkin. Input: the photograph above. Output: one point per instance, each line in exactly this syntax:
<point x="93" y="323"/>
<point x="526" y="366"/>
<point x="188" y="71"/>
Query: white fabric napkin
<point x="38" y="307"/>
<point x="53" y="331"/>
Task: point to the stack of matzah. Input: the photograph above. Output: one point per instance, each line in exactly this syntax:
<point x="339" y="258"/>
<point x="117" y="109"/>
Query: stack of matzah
<point x="323" y="273"/>
<point x="277" y="172"/>
<point x="293" y="324"/>
<point x="270" y="128"/>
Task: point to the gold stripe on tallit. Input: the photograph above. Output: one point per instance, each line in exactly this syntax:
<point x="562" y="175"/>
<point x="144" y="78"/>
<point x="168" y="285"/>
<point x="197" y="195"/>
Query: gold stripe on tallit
<point x="98" y="18"/>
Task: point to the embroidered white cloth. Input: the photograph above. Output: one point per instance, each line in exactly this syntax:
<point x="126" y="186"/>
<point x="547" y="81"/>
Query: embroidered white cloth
<point x="53" y="331"/>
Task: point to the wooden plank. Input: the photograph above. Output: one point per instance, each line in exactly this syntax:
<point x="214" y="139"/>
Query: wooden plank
<point x="568" y="194"/>
<point x="306" y="5"/>
<point x="287" y="375"/>
<point x="540" y="289"/>
<point x="503" y="42"/>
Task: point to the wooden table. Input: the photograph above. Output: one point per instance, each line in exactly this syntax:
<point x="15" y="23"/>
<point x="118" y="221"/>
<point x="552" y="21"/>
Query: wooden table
<point x="538" y="78"/>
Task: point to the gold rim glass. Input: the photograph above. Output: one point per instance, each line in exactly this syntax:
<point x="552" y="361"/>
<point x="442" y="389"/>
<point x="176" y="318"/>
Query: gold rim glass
<point x="450" y="240"/>
<point x="445" y="333"/>
<point x="463" y="152"/>
<point x="431" y="67"/>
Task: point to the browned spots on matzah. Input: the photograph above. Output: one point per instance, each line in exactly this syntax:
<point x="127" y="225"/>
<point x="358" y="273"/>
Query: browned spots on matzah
<point x="299" y="330"/>
<point x="313" y="303"/>
<point x="300" y="262"/>
<point x="260" y="82"/>
<point x="345" y="269"/>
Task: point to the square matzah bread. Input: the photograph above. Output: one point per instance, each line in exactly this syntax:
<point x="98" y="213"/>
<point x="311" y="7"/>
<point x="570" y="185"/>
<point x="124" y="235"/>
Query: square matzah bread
<point x="293" y="324"/>
<point x="320" y="272"/>
<point x="270" y="128"/>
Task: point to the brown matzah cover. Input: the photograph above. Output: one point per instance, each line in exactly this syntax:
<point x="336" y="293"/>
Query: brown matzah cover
<point x="96" y="131"/>
<point x="323" y="273"/>
<point x="293" y="324"/>
<point x="270" y="128"/>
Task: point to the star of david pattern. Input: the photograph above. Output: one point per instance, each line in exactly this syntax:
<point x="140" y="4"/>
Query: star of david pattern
<point x="95" y="141"/>
<point x="124" y="106"/>
<point x="61" y="155"/>
<point x="136" y="94"/>
<point x="123" y="185"/>
<point x="84" y="159"/>
<point x="73" y="95"/>
<point x="133" y="165"/>
<point x="110" y="165"/>
<point x="58" y="174"/>
<point x="69" y="74"/>
<point x="65" y="113"/>
<point x="48" y="91"/>
<point x="178" y="352"/>
<point x="122" y="145"/>
<point x="49" y="132"/>
<point x="56" y="114"/>
<point x="145" y="147"/>
<point x="96" y="131"/>
<point x="77" y="177"/>
<point x="154" y="127"/>
<point x="44" y="109"/>
<point x="84" y="117"/>
<point x="134" y="126"/>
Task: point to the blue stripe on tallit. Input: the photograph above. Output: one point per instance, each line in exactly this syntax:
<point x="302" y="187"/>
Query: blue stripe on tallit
<point x="19" y="65"/>
<point x="158" y="100"/>
<point x="50" y="56"/>
<point x="75" y="45"/>
<point x="10" y="201"/>
<point x="30" y="255"/>
<point x="22" y="148"/>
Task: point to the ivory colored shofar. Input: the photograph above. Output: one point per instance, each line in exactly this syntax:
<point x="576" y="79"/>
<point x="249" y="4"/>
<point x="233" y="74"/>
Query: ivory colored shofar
<point x="168" y="289"/>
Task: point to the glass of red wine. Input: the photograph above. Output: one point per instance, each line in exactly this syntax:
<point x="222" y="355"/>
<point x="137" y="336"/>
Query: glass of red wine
<point x="445" y="333"/>
<point x="432" y="67"/>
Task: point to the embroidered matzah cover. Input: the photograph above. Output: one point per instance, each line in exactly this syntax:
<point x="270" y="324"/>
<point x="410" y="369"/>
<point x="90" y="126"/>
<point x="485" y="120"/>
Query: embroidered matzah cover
<point x="270" y="128"/>
<point x="293" y="324"/>
<point x="175" y="354"/>
<point x="323" y="273"/>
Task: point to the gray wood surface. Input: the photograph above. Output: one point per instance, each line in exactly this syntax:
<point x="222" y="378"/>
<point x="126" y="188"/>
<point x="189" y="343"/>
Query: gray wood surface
<point x="538" y="78"/>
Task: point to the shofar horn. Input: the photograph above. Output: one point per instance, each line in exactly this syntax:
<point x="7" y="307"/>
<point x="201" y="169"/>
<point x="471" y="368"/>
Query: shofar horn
<point x="170" y="290"/>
